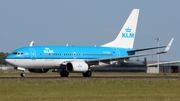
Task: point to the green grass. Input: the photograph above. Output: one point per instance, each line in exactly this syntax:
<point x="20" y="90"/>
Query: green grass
<point x="17" y="73"/>
<point x="89" y="89"/>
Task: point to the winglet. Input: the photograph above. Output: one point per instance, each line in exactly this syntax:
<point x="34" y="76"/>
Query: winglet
<point x="167" y="47"/>
<point x="32" y="43"/>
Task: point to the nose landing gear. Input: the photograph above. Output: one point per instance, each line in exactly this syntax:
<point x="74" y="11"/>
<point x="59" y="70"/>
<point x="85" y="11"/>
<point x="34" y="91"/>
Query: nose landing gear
<point x="23" y="74"/>
<point x="21" y="69"/>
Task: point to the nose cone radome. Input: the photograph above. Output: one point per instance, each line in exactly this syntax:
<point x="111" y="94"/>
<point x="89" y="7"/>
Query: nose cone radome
<point x="8" y="59"/>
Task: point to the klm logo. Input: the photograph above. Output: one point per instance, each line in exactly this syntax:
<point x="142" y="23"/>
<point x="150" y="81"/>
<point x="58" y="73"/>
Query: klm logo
<point x="128" y="33"/>
<point x="47" y="50"/>
<point x="79" y="66"/>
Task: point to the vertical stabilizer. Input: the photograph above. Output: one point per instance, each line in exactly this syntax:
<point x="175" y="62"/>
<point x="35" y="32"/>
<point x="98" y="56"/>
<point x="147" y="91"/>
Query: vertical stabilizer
<point x="126" y="36"/>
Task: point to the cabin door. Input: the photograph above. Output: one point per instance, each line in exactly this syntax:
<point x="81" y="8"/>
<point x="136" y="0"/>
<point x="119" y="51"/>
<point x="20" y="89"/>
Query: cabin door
<point x="118" y="53"/>
<point x="33" y="54"/>
<point x="74" y="55"/>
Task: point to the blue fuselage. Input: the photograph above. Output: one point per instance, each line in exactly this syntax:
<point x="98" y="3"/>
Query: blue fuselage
<point x="67" y="52"/>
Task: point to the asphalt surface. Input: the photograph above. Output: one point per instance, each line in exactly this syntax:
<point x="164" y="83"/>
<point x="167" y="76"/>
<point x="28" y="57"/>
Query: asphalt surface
<point x="80" y="77"/>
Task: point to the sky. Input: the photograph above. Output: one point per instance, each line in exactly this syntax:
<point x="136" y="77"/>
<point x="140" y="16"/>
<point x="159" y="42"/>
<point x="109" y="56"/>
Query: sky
<point x="88" y="22"/>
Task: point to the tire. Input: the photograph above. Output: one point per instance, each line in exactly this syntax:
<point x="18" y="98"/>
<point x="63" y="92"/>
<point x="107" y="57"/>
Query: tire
<point x="64" y="73"/>
<point x="87" y="74"/>
<point x="23" y="74"/>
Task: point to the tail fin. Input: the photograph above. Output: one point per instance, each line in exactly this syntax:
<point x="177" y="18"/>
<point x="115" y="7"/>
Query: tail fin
<point x="126" y="36"/>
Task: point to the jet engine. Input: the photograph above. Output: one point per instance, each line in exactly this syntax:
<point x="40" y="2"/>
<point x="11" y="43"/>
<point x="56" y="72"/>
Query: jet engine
<point x="38" y="70"/>
<point x="77" y="66"/>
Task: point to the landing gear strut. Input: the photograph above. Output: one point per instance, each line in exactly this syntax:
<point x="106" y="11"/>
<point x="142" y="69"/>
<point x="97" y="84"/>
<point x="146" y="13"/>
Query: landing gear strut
<point x="87" y="74"/>
<point x="22" y="71"/>
<point x="64" y="73"/>
<point x="23" y="74"/>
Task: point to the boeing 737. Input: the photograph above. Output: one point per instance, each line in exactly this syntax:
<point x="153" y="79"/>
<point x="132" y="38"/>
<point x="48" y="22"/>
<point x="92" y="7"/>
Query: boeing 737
<point x="40" y="59"/>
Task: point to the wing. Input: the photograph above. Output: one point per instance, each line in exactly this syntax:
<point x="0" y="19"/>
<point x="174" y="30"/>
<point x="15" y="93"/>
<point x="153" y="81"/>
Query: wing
<point x="108" y="60"/>
<point x="143" y="49"/>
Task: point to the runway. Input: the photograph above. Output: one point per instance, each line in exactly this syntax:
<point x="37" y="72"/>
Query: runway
<point x="95" y="75"/>
<point x="81" y="77"/>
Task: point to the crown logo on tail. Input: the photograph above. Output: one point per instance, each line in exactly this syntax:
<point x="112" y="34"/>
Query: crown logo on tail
<point x="128" y="29"/>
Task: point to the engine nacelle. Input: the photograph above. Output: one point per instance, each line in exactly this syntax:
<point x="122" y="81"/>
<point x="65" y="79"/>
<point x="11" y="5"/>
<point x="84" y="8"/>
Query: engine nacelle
<point x="38" y="70"/>
<point x="77" y="66"/>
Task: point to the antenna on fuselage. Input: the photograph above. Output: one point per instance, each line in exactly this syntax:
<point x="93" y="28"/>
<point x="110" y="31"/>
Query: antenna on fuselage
<point x="32" y="43"/>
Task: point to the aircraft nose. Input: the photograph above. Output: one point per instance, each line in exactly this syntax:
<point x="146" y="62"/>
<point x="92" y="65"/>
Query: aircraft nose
<point x="7" y="59"/>
<point x="10" y="61"/>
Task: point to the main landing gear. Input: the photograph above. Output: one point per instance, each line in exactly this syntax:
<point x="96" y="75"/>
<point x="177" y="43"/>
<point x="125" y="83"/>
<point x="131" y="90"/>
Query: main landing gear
<point x="87" y="74"/>
<point x="64" y="73"/>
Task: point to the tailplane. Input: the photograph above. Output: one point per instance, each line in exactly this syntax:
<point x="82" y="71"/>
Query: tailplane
<point x="126" y="36"/>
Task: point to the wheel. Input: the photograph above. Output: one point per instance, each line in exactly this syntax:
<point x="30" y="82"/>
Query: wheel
<point x="87" y="74"/>
<point x="64" y="73"/>
<point x="23" y="74"/>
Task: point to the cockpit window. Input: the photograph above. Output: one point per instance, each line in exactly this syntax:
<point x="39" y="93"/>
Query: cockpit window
<point x="17" y="53"/>
<point x="14" y="52"/>
<point x="20" y="53"/>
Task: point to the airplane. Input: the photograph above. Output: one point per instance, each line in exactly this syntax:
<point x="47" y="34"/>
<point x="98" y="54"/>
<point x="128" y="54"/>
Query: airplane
<point x="40" y="59"/>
